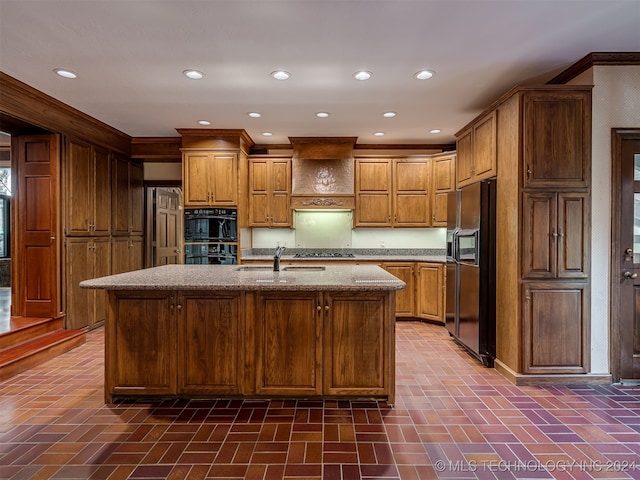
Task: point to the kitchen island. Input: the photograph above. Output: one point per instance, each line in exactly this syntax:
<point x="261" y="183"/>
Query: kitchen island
<point x="194" y="331"/>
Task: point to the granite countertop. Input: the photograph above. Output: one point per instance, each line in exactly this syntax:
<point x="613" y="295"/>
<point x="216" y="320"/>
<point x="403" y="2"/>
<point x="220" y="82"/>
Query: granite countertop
<point x="355" y="257"/>
<point x="370" y="255"/>
<point x="236" y="277"/>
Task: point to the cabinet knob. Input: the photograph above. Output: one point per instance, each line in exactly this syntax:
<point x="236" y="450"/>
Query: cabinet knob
<point x="319" y="308"/>
<point x="326" y="307"/>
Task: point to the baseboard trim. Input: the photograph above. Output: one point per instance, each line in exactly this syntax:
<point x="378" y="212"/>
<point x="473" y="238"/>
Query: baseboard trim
<point x="521" y="379"/>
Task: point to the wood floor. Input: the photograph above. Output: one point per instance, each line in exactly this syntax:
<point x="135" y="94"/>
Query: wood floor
<point x="453" y="419"/>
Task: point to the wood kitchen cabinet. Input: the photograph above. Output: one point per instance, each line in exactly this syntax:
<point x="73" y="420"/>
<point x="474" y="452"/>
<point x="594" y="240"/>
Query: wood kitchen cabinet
<point x="405" y="298"/>
<point x="476" y="151"/>
<point x="444" y="181"/>
<point x="430" y="283"/>
<point x="550" y="159"/>
<point x="557" y="313"/>
<point x="85" y="258"/>
<point x="210" y="343"/>
<point x="140" y="343"/>
<point x="332" y="343"/>
<point x="555" y="231"/>
<point x="87" y="177"/>
<point x="393" y="192"/>
<point x="127" y="196"/>
<point x="544" y="234"/>
<point x="288" y="330"/>
<point x="210" y="179"/>
<point x="357" y="343"/>
<point x="127" y="254"/>
<point x="270" y="192"/>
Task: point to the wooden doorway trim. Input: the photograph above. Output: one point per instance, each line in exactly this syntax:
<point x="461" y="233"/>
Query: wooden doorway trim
<point x="618" y="136"/>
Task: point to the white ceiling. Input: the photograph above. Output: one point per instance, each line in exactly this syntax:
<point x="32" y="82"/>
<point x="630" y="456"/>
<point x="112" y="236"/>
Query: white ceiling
<point x="129" y="56"/>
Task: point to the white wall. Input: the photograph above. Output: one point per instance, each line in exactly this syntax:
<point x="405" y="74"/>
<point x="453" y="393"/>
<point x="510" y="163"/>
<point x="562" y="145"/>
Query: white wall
<point x="616" y="104"/>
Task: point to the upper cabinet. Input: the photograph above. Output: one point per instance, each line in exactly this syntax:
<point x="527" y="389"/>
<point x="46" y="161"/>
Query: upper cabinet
<point x="87" y="183"/>
<point x="270" y="192"/>
<point x="393" y="192"/>
<point x="476" y="151"/>
<point x="444" y="181"/>
<point x="127" y="196"/>
<point x="210" y="179"/>
<point x="552" y="159"/>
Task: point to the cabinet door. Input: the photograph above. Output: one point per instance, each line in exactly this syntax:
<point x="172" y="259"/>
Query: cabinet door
<point x="195" y="179"/>
<point x="539" y="235"/>
<point x="136" y="253"/>
<point x="78" y="267"/>
<point x="484" y="147"/>
<point x="439" y="215"/>
<point x="101" y="268"/>
<point x="223" y="178"/>
<point x="79" y="196"/>
<point x="141" y="344"/>
<point x="405" y="299"/>
<point x="430" y="291"/>
<point x="280" y="204"/>
<point x="211" y="344"/>
<point x="289" y="344"/>
<point x="259" y="193"/>
<point x="464" y="161"/>
<point x="557" y="139"/>
<point x="573" y="235"/>
<point x="556" y="327"/>
<point x="373" y="193"/>
<point x="120" y="195"/>
<point x="136" y="211"/>
<point x="102" y="193"/>
<point x="411" y="184"/>
<point x="119" y="255"/>
<point x="355" y="344"/>
<point x="444" y="173"/>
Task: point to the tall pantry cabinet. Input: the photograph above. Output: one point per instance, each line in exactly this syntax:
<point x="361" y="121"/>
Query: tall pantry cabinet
<point x="103" y="216"/>
<point x="543" y="152"/>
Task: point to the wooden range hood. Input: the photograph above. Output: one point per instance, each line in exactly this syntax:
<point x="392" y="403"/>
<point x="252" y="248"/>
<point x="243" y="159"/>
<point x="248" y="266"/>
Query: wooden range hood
<point x="322" y="173"/>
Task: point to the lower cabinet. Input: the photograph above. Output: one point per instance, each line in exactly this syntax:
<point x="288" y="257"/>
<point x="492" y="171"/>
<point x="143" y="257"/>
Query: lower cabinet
<point x="140" y="344"/>
<point x="210" y="343"/>
<point x="405" y="298"/>
<point x="556" y="327"/>
<point x="430" y="281"/>
<point x="291" y="344"/>
<point x="85" y="258"/>
<point x="127" y="254"/>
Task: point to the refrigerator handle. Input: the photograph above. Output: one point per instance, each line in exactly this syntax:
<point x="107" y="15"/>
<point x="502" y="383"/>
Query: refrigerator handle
<point x="455" y="246"/>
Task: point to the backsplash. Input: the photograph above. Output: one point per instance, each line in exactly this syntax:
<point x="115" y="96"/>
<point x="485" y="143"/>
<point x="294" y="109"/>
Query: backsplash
<point x="333" y="231"/>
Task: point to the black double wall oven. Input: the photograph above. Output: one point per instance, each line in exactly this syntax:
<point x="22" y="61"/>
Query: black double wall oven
<point x="211" y="236"/>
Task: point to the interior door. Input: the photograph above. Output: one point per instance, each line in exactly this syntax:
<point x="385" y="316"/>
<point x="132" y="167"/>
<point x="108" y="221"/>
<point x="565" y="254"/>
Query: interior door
<point x="36" y="268"/>
<point x="625" y="293"/>
<point x="168" y="227"/>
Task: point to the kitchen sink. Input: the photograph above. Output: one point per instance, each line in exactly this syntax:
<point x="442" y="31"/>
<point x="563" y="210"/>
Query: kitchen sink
<point x="309" y="268"/>
<point x="254" y="268"/>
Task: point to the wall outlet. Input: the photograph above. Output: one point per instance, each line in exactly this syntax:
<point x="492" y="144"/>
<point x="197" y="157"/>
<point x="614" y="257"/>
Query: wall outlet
<point x="382" y="244"/>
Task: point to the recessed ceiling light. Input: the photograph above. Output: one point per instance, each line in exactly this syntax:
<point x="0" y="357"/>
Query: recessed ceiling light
<point x="322" y="114"/>
<point x="379" y="134"/>
<point x="204" y="122"/>
<point x="193" y="74"/>
<point x="389" y="114"/>
<point x="362" y="75"/>
<point x="65" y="73"/>
<point x="266" y="134"/>
<point x="254" y="114"/>
<point x="435" y="130"/>
<point x="280" y="75"/>
<point x="424" y="74"/>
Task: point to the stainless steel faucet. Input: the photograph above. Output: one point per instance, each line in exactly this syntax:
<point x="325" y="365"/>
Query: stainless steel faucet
<point x="276" y="258"/>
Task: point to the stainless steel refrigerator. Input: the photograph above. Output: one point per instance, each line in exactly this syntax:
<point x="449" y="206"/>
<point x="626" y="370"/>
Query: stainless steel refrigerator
<point x="471" y="258"/>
